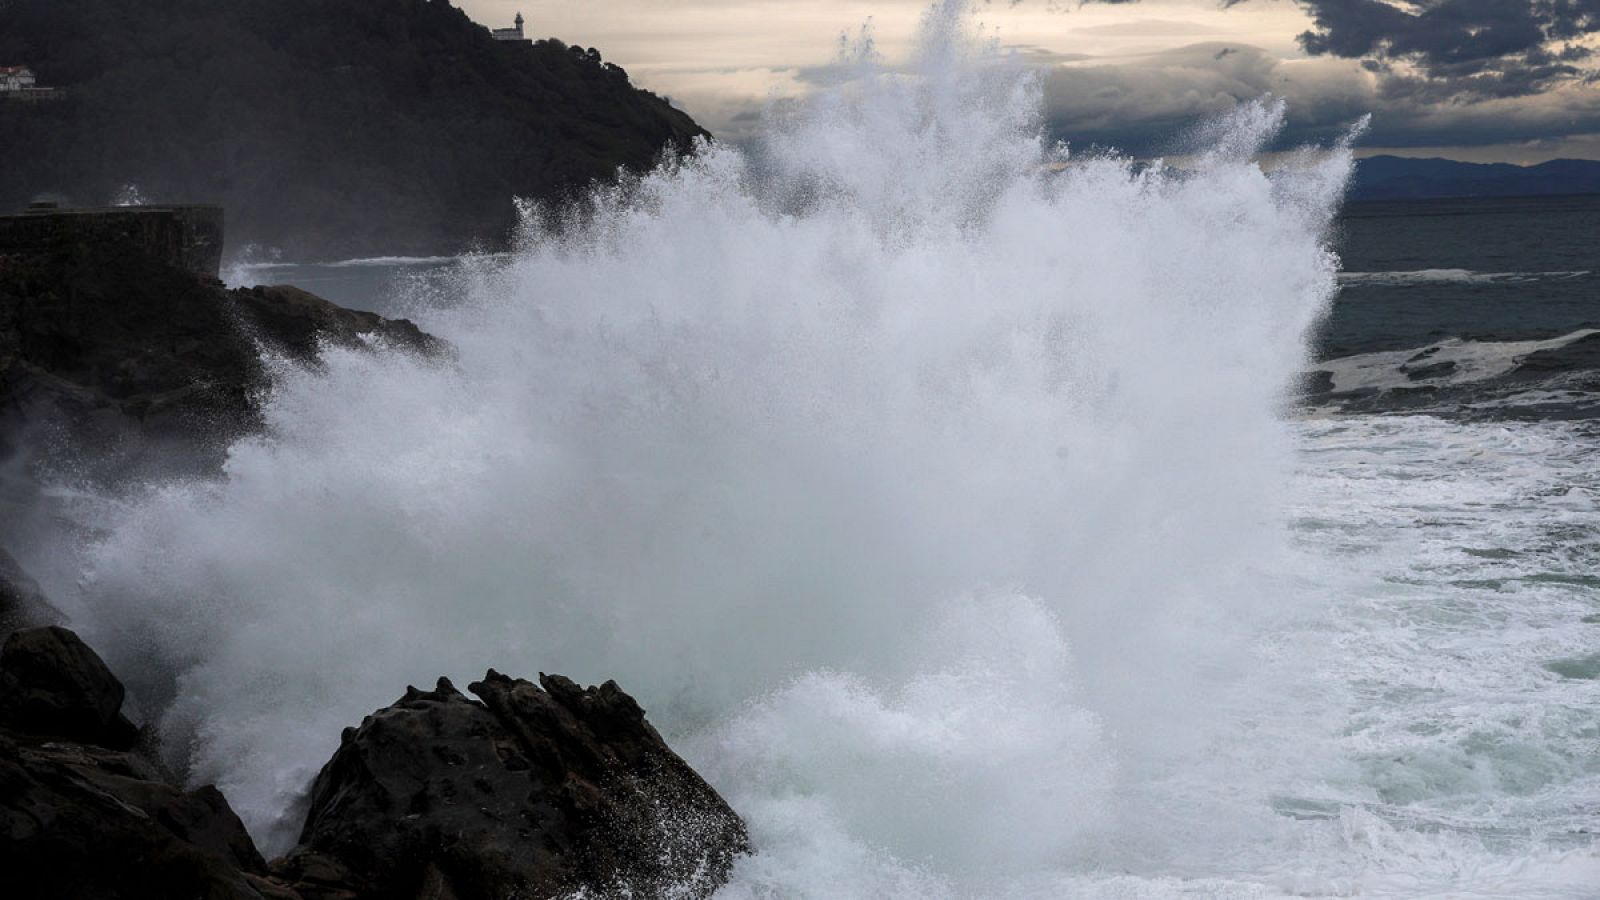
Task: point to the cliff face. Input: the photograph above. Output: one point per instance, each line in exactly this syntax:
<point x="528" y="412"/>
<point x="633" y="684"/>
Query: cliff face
<point x="328" y="128"/>
<point x="111" y="342"/>
<point x="184" y="237"/>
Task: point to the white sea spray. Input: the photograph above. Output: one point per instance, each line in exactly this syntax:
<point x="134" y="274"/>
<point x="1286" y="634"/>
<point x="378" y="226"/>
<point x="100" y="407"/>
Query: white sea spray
<point x="930" y="486"/>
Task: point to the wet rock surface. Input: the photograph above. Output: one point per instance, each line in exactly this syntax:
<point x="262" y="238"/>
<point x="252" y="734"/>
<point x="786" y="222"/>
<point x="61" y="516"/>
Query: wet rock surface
<point x="83" y="812"/>
<point x="296" y="322"/>
<point x="536" y="791"/>
<point x="1582" y="355"/>
<point x="105" y="346"/>
<point x="53" y="685"/>
<point x="1556" y="383"/>
<point x="79" y="821"/>
<point x="530" y="791"/>
<point x="1429" y="371"/>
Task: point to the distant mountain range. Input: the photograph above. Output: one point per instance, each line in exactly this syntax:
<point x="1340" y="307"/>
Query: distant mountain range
<point x="1398" y="178"/>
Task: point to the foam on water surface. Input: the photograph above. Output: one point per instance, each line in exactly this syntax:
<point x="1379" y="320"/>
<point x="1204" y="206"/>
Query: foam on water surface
<point x="1453" y="276"/>
<point x="935" y="498"/>
<point x="1457" y="362"/>
<point x="1473" y="550"/>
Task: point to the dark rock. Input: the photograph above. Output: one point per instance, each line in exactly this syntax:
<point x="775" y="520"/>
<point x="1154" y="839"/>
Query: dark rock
<point x="184" y="237"/>
<point x="85" y="822"/>
<point x="22" y="603"/>
<point x="1580" y="355"/>
<point x="1430" y="371"/>
<point x="531" y="793"/>
<point x="105" y="346"/>
<point x="82" y="818"/>
<point x="295" y="321"/>
<point x="53" y="685"/>
<point x="1316" y="383"/>
<point x="108" y="326"/>
<point x="327" y="129"/>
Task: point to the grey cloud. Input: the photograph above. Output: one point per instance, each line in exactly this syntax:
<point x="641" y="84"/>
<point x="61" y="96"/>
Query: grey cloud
<point x="1033" y="53"/>
<point x="1146" y="28"/>
<point x="1458" y="49"/>
<point x="1461" y="48"/>
<point x="1138" y="106"/>
<point x="1421" y="90"/>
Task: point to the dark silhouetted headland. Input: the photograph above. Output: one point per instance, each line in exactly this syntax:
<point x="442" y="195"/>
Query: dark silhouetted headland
<point x="1398" y="178"/>
<point x="328" y="128"/>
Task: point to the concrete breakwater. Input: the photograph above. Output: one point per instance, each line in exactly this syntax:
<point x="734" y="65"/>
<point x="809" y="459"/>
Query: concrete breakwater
<point x="115" y="333"/>
<point x="184" y="237"/>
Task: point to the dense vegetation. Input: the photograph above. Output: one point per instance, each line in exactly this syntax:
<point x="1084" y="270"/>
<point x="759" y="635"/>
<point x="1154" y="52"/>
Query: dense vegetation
<point x="326" y="127"/>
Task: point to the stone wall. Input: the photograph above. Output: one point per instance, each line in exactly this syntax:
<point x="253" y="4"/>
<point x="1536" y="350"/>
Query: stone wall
<point x="185" y="237"/>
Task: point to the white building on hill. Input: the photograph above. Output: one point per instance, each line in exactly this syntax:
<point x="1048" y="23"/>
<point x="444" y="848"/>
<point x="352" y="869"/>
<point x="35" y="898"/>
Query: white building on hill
<point x="511" y="34"/>
<point x="20" y="78"/>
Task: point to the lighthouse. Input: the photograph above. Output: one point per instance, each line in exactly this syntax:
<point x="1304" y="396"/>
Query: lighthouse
<point x="513" y="33"/>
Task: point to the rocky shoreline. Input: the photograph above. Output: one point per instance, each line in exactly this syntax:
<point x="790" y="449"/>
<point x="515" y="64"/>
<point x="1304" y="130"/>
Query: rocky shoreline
<point x="330" y="130"/>
<point x="114" y="349"/>
<point x="530" y="791"/>
<point x="126" y="362"/>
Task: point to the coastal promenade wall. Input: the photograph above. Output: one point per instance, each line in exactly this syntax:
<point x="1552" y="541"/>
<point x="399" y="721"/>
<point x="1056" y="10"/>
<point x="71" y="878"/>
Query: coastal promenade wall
<point x="185" y="237"/>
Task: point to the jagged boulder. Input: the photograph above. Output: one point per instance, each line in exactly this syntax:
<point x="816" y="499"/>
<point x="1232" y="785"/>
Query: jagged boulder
<point x="52" y="684"/>
<point x="296" y="321"/>
<point x="120" y="365"/>
<point x="90" y="329"/>
<point x="529" y="792"/>
<point x="84" y="816"/>
<point x="535" y="792"/>
<point x="84" y="822"/>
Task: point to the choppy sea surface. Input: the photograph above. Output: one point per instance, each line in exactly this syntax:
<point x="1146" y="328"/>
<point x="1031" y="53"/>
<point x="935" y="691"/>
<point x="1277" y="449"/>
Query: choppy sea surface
<point x="981" y="521"/>
<point x="1467" y="308"/>
<point x="1471" y="308"/>
<point x="1447" y="482"/>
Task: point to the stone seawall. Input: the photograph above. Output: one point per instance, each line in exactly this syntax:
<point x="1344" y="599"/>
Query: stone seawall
<point x="184" y="237"/>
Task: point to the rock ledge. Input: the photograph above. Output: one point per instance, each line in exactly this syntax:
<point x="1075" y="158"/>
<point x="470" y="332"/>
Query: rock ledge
<point x="536" y="791"/>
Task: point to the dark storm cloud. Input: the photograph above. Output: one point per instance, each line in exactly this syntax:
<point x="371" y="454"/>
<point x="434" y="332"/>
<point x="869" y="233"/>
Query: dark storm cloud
<point x="1457" y="49"/>
<point x="1432" y="72"/>
<point x="1139" y="106"/>
<point x="1488" y="48"/>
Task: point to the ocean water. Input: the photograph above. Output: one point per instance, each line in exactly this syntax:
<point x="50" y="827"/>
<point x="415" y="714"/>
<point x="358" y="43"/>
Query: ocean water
<point x="1477" y="269"/>
<point x="963" y="510"/>
<point x="1471" y="308"/>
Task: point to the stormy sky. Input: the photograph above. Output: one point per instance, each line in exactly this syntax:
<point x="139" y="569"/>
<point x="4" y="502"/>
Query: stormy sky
<point x="1481" y="80"/>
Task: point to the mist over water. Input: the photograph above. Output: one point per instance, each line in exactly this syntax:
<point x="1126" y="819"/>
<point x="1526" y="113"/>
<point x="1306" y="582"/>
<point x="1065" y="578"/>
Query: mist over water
<point x="930" y="488"/>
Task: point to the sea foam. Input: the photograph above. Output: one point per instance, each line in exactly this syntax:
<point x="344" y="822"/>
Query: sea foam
<point x="923" y="480"/>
